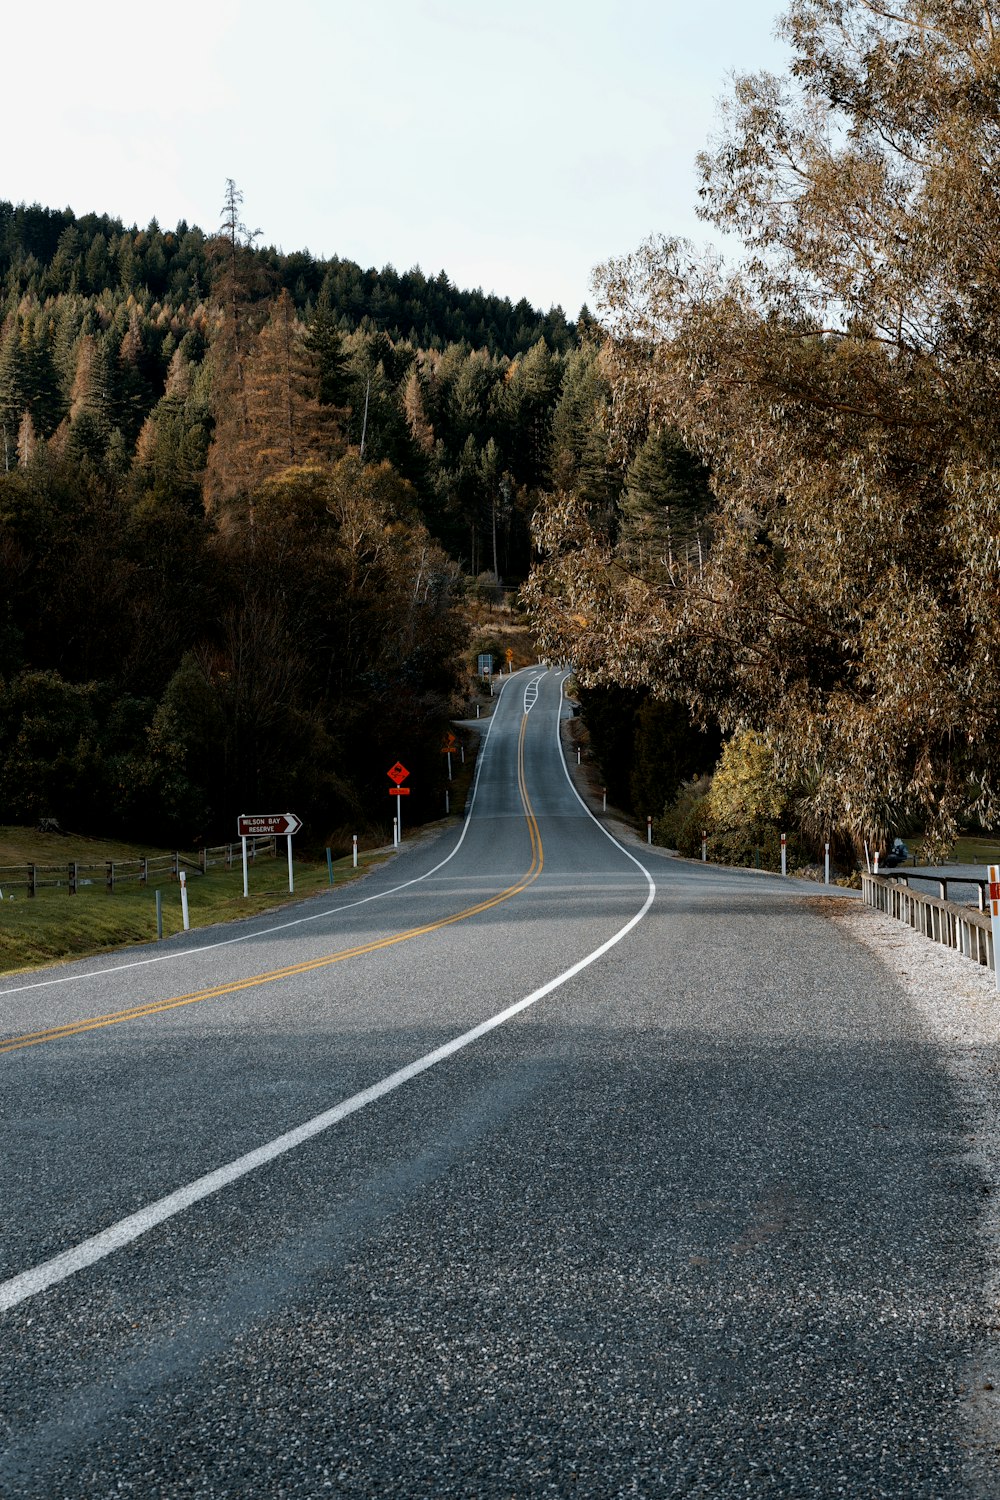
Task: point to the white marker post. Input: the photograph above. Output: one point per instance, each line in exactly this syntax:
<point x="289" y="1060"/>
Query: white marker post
<point x="826" y="864"/>
<point x="449" y="765"/>
<point x="354" y="850"/>
<point x="395" y="833"/>
<point x="246" y="870"/>
<point x="291" y="877"/>
<point x="876" y="862"/>
<point x="604" y="795"/>
<point x="182" y="877"/>
<point x="994" y="874"/>
<point x="784" y="854"/>
<point x="704" y="847"/>
<point x="649" y="830"/>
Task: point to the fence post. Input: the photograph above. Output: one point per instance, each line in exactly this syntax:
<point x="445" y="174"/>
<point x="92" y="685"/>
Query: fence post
<point x="72" y="877"/>
<point x="110" y="876"/>
<point x="32" y="881"/>
<point x="144" y="877"/>
<point x="175" y="865"/>
<point x="229" y="856"/>
<point x="203" y="861"/>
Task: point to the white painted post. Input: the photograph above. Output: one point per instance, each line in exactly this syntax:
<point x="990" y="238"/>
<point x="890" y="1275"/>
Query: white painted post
<point x="182" y="877"/>
<point x="291" y="877"/>
<point x="447" y="802"/>
<point x="876" y="862"/>
<point x="449" y="765"/>
<point x="704" y="846"/>
<point x="395" y="834"/>
<point x="826" y="865"/>
<point x="399" y="817"/>
<point x="784" y="854"/>
<point x="605" y="800"/>
<point x="477" y="710"/>
<point x="993" y="872"/>
<point x="462" y="753"/>
<point x="649" y="830"/>
<point x="246" y="873"/>
<point x="354" y="850"/>
<point x="578" y="754"/>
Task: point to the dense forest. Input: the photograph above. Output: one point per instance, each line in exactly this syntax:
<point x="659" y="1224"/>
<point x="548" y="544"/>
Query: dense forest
<point x="245" y="498"/>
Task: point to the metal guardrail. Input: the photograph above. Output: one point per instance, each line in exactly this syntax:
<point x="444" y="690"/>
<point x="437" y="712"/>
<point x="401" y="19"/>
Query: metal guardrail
<point x="962" y="928"/>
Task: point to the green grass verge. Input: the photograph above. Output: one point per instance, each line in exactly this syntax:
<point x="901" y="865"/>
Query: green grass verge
<point x="54" y="925"/>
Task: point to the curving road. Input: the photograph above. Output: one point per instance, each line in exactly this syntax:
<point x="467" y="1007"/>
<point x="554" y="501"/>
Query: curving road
<point x="526" y="1167"/>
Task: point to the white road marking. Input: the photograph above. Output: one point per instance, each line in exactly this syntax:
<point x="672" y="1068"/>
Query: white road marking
<point x="245" y="937"/>
<point x="531" y="693"/>
<point x="50" y="1273"/>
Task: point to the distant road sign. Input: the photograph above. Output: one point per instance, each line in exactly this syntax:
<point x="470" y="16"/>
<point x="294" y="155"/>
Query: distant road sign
<point x="262" y="825"/>
<point x="485" y="668"/>
<point x="398" y="772"/>
<point x="450" y="744"/>
<point x="399" y="791"/>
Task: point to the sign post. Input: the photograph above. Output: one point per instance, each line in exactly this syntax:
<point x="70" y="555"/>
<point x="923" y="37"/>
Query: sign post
<point x="398" y="774"/>
<point x="448" y="748"/>
<point x="267" y="825"/>
<point x="994" y="874"/>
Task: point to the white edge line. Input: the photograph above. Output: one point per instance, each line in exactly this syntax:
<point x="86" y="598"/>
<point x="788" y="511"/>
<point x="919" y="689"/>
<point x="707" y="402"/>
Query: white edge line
<point x="50" y="1272"/>
<point x="245" y="937"/>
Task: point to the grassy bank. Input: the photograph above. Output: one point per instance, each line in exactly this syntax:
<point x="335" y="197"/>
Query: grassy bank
<point x="54" y="925"/>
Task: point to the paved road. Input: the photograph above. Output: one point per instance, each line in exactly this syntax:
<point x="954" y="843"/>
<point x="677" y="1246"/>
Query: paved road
<point x="691" y="1219"/>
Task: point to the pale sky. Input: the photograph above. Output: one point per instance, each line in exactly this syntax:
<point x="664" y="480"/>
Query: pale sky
<point x="513" y="146"/>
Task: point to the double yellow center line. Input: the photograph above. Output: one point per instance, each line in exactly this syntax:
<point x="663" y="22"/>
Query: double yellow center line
<point x="155" y="1007"/>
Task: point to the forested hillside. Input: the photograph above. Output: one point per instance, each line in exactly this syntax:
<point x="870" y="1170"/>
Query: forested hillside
<point x="243" y="497"/>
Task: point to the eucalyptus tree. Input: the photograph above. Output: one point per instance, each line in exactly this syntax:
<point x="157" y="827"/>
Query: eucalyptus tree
<point x="842" y="385"/>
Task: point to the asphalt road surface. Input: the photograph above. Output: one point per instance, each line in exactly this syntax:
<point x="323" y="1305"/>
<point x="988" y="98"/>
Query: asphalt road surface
<point x="525" y="1167"/>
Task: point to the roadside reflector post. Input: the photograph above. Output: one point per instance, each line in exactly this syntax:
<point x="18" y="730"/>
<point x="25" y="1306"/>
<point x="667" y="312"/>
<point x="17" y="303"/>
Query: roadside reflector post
<point x="447" y="802"/>
<point x="449" y="765"/>
<point x="395" y="832"/>
<point x="826" y="864"/>
<point x="649" y="829"/>
<point x="994" y="874"/>
<point x="329" y="865"/>
<point x="784" y="854"/>
<point x="461" y="751"/>
<point x="159" y="914"/>
<point x="876" y="861"/>
<point x="246" y="870"/>
<point x="578" y="754"/>
<point x="704" y="846"/>
<point x="182" y="877"/>
<point x="477" y="710"/>
<point x="354" y="850"/>
<point x="604" y="806"/>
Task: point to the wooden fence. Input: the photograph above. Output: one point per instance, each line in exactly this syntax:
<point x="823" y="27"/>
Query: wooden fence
<point x="963" y="928"/>
<point x="111" y="873"/>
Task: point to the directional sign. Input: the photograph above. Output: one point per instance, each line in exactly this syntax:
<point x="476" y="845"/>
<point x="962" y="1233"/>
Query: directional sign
<point x="398" y="773"/>
<point x="262" y="825"/>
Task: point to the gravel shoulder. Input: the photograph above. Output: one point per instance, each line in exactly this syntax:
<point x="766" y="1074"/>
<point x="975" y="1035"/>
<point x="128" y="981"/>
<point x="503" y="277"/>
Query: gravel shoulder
<point x="957" y="1005"/>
